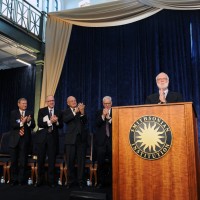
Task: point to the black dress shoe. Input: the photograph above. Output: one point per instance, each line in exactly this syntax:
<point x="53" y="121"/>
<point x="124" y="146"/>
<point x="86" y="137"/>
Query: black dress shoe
<point x="99" y="186"/>
<point x="52" y="185"/>
<point x="68" y="186"/>
<point x="81" y="186"/>
<point x="13" y="183"/>
<point x="38" y="184"/>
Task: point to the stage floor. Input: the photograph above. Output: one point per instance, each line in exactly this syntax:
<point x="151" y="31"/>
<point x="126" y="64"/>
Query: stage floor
<point x="26" y="192"/>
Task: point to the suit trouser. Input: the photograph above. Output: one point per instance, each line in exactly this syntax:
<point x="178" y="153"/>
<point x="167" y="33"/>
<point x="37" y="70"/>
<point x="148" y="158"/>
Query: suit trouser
<point x="47" y="148"/>
<point x="104" y="152"/>
<point x="75" y="153"/>
<point x="18" y="156"/>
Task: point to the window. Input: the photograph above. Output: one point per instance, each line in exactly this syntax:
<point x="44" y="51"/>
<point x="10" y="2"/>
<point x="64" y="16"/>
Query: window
<point x="46" y="7"/>
<point x="56" y="5"/>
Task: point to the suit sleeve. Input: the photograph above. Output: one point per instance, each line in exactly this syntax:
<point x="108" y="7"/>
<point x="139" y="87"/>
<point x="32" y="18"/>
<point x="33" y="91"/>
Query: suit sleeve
<point x="68" y="116"/>
<point x="15" y="123"/>
<point x="60" y="120"/>
<point x="41" y="124"/>
<point x="83" y="119"/>
<point x="99" y="120"/>
<point x="179" y="98"/>
<point x="32" y="121"/>
<point x="32" y="124"/>
<point x="148" y="101"/>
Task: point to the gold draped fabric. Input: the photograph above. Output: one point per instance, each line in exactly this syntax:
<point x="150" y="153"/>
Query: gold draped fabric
<point x="57" y="39"/>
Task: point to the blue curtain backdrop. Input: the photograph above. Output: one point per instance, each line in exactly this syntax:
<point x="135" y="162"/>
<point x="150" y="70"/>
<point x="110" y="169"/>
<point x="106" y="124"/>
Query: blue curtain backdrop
<point x="123" y="61"/>
<point x="118" y="61"/>
<point x="14" y="84"/>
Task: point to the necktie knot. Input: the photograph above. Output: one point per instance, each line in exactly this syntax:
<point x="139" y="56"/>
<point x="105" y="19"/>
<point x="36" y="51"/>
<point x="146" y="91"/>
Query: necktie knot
<point x="22" y="113"/>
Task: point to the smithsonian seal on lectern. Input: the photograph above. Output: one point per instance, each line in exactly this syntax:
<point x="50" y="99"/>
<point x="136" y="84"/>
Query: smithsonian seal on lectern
<point x="150" y="137"/>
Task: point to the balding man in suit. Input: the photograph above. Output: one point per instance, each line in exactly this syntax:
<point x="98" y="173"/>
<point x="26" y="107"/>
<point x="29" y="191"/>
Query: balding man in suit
<point x="49" y="121"/>
<point x="164" y="95"/>
<point x="75" y="140"/>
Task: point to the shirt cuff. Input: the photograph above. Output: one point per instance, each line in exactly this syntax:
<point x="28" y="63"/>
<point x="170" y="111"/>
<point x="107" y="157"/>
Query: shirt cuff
<point x="49" y="123"/>
<point x="29" y="124"/>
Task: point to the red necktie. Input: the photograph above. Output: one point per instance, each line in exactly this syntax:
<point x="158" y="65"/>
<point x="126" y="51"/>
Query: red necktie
<point x="21" y="131"/>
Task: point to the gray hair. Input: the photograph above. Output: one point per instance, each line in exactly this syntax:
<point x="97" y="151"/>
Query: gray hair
<point x="107" y="97"/>
<point x="164" y="74"/>
<point x="21" y="99"/>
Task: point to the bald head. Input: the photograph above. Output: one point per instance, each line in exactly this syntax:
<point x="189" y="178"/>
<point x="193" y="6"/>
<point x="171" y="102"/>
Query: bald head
<point x="71" y="102"/>
<point x="50" y="101"/>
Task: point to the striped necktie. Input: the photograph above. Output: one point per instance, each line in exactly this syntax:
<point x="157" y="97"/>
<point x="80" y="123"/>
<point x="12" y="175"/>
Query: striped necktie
<point x="21" y="131"/>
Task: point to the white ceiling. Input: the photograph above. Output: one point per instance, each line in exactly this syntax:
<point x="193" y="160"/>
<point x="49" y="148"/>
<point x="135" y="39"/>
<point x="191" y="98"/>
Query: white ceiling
<point x="10" y="50"/>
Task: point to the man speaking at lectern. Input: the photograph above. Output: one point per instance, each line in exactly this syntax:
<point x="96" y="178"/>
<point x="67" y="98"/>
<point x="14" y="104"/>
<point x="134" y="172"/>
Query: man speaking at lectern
<point x="164" y="95"/>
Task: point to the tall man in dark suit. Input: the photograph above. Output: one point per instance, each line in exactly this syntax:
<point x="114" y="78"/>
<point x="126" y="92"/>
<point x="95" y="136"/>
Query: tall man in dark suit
<point x="103" y="138"/>
<point x="164" y="95"/>
<point x="75" y="141"/>
<point x="22" y="122"/>
<point x="49" y="120"/>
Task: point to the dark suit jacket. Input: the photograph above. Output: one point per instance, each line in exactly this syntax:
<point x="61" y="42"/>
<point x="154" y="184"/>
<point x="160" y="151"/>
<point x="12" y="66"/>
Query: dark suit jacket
<point x="100" y="135"/>
<point x="41" y="134"/>
<point x="75" y="125"/>
<point x="15" y="128"/>
<point x="172" y="97"/>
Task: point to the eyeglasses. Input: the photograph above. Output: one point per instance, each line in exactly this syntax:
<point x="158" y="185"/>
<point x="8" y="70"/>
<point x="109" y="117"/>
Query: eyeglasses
<point x="161" y="79"/>
<point x="106" y="103"/>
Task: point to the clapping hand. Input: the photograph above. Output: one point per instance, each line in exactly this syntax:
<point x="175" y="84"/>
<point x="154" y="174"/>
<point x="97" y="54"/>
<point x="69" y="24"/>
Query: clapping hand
<point x="162" y="96"/>
<point x="81" y="108"/>
<point x="105" y="113"/>
<point x="54" y="119"/>
<point x="28" y="119"/>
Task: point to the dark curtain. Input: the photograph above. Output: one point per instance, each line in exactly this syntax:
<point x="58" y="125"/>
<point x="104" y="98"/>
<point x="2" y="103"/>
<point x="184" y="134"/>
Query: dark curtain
<point x="14" y="84"/>
<point x="194" y="84"/>
<point x="123" y="61"/>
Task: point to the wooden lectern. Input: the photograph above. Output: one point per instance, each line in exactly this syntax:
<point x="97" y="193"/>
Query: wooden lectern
<point x="175" y="176"/>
